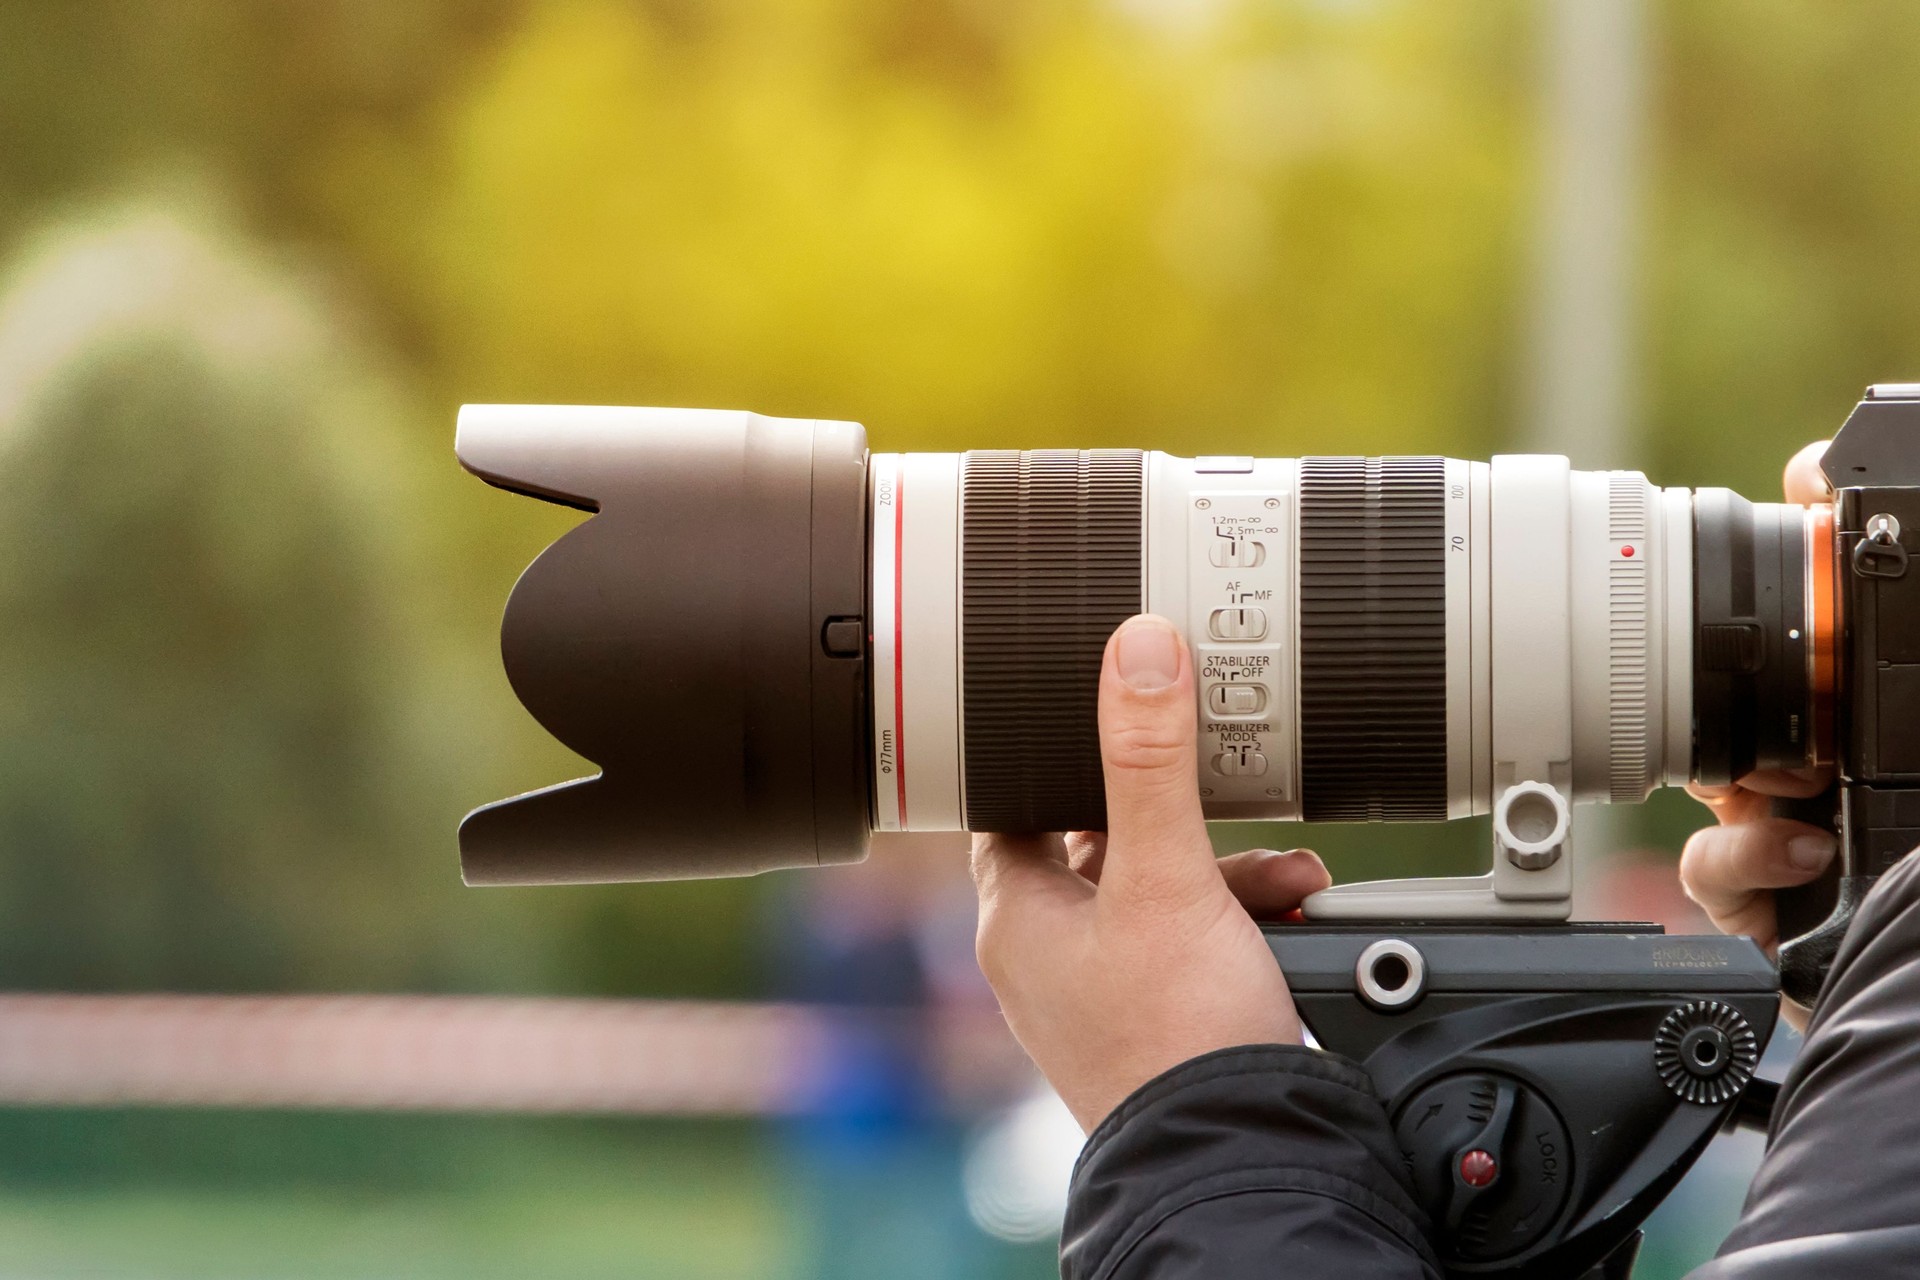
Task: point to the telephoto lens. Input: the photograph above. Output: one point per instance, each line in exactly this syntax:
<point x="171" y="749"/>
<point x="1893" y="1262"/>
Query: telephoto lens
<point x="773" y="643"/>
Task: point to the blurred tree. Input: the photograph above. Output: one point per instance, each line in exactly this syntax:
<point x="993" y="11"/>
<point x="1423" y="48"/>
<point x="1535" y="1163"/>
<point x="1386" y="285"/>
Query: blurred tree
<point x="241" y="720"/>
<point x="205" y="755"/>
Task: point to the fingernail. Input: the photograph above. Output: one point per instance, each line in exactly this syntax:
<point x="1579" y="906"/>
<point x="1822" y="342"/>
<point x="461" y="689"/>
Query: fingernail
<point x="1147" y="654"/>
<point x="1811" y="852"/>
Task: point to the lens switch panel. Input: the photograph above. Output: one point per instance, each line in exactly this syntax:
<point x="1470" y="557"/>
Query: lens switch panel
<point x="1239" y="607"/>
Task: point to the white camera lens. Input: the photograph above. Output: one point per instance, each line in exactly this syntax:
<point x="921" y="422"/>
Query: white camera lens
<point x="773" y="643"/>
<point x="1373" y="638"/>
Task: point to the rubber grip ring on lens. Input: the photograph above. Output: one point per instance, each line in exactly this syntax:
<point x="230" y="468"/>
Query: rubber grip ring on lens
<point x="1373" y="639"/>
<point x="1050" y="566"/>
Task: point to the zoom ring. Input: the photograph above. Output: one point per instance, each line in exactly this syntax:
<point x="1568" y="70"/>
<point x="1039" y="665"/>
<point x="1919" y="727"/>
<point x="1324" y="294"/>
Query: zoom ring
<point x="1050" y="565"/>
<point x="1373" y="639"/>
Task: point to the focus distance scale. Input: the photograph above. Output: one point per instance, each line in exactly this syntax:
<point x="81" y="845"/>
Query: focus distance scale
<point x="773" y="643"/>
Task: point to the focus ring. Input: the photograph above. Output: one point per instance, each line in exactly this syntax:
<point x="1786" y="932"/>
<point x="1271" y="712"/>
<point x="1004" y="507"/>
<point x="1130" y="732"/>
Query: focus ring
<point x="1373" y="639"/>
<point x="1630" y="772"/>
<point x="1050" y="551"/>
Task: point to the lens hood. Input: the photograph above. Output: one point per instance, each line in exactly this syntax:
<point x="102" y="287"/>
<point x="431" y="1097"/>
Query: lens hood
<point x="701" y="638"/>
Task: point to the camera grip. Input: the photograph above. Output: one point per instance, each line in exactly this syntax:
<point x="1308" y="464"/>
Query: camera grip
<point x="1803" y="909"/>
<point x="1814" y="917"/>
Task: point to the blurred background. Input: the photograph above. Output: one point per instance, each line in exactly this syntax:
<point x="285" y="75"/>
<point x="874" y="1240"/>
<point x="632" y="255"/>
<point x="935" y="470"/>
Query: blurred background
<point x="253" y="256"/>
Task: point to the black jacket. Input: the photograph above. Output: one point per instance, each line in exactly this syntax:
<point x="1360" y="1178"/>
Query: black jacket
<point x="1276" y="1161"/>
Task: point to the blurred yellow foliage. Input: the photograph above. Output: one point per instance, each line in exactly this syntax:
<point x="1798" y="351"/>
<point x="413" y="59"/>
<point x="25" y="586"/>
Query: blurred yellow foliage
<point x="991" y="225"/>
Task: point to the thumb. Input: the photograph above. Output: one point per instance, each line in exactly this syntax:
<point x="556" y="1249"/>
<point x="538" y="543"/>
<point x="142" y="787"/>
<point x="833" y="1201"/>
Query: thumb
<point x="1156" y="838"/>
<point x="1805" y="482"/>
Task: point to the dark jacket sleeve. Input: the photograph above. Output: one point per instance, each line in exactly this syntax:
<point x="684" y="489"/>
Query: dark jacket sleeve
<point x="1262" y="1161"/>
<point x="1838" y="1192"/>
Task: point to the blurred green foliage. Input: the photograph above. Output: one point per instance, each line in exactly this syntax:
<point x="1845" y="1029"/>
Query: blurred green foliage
<point x="250" y="600"/>
<point x="132" y="1195"/>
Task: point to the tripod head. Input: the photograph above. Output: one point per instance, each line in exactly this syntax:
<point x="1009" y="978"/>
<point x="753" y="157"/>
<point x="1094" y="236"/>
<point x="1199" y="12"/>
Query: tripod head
<point x="1549" y="1084"/>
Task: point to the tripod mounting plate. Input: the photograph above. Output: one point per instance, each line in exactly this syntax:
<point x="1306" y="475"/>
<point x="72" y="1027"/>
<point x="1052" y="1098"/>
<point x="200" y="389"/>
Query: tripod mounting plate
<point x="1549" y="1084"/>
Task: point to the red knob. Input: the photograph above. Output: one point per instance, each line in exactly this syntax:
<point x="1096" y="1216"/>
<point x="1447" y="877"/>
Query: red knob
<point x="1478" y="1168"/>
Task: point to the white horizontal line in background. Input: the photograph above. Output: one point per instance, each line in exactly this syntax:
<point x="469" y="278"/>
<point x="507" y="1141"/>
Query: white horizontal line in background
<point x="445" y="1053"/>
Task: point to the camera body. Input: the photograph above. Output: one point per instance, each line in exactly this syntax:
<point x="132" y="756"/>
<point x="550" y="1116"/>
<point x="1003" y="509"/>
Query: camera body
<point x="773" y="643"/>
<point x="1873" y="465"/>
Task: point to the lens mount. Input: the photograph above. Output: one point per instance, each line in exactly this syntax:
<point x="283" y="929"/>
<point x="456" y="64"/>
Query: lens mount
<point x="1752" y="682"/>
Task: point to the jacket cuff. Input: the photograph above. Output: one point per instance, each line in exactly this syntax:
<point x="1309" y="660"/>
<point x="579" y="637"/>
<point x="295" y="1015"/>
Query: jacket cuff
<point x="1255" y="1122"/>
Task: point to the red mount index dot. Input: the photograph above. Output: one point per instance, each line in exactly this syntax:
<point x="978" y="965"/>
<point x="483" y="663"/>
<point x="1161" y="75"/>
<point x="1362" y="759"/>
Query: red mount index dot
<point x="1478" y="1168"/>
<point x="1627" y="551"/>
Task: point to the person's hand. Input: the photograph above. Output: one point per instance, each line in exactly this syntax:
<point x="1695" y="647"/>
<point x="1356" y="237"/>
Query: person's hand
<point x="1732" y="869"/>
<point x="1118" y="957"/>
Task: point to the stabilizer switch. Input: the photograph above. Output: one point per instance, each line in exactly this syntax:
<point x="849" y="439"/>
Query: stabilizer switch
<point x="1231" y="699"/>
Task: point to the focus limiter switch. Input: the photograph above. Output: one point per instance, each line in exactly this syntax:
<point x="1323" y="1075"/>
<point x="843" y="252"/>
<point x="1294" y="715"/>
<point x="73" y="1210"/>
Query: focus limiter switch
<point x="1236" y="553"/>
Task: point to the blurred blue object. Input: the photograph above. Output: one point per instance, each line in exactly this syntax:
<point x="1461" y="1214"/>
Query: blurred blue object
<point x="876" y="1158"/>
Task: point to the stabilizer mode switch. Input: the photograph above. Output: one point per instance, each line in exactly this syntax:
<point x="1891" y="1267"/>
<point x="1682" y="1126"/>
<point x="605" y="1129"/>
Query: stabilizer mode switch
<point x="1240" y="762"/>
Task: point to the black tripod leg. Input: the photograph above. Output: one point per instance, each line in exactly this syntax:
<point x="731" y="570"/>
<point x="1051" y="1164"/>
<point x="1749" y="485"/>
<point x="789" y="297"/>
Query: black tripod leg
<point x="1618" y="1265"/>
